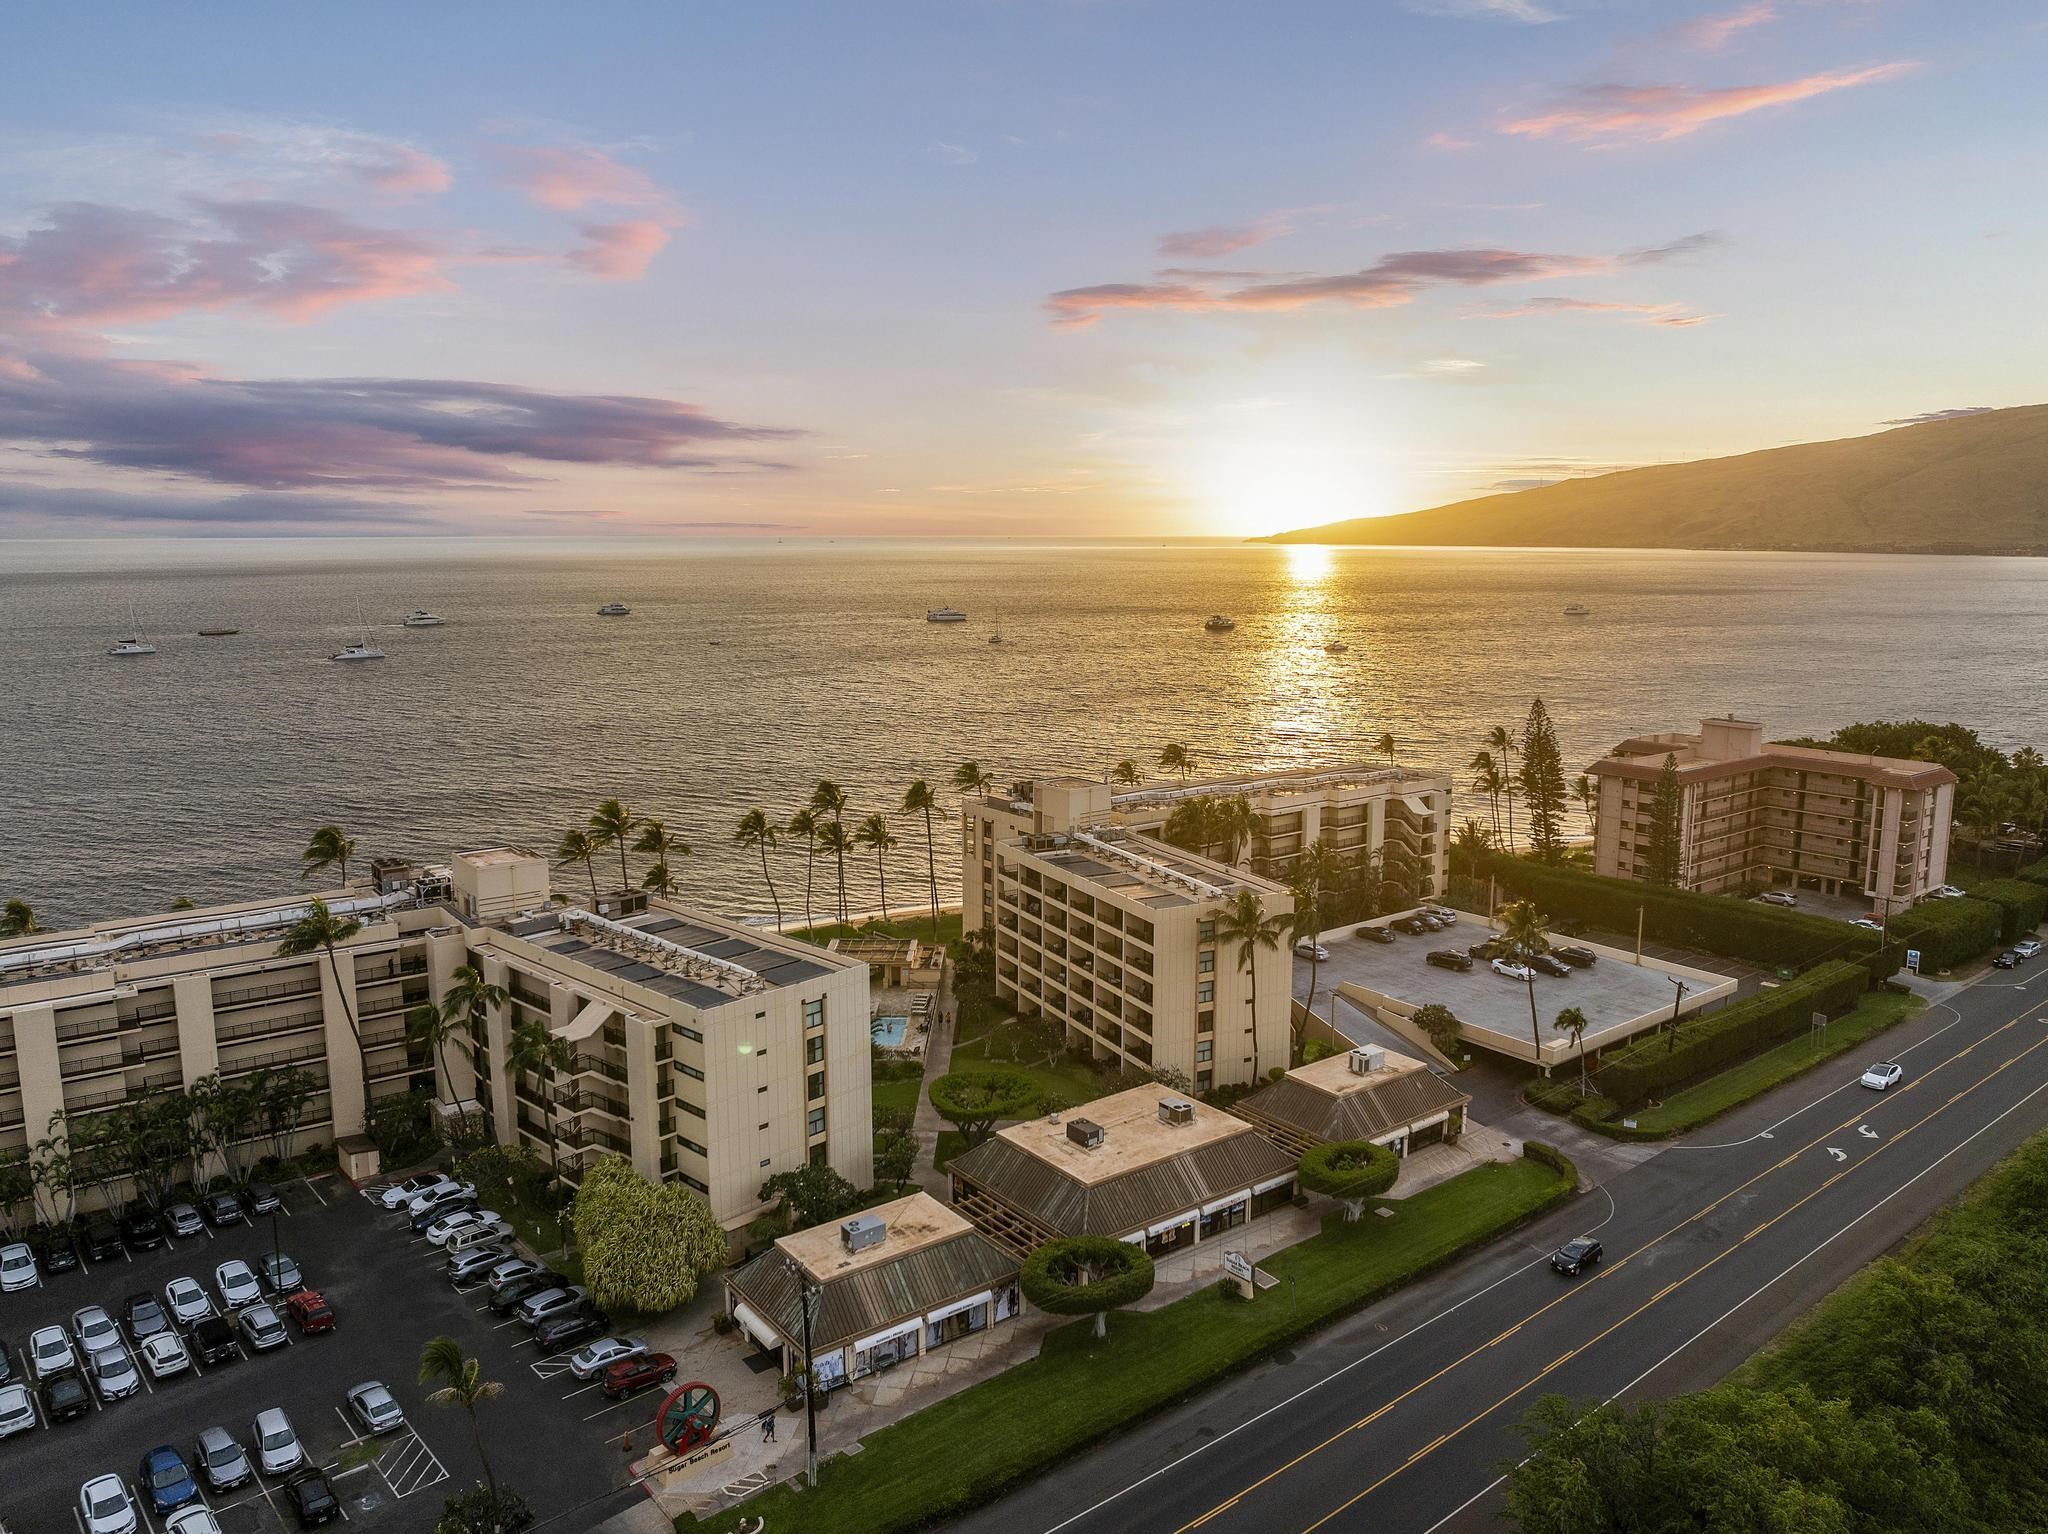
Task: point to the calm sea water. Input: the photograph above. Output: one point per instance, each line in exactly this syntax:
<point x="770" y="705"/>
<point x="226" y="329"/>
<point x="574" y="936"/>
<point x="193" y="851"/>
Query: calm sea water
<point x="749" y="670"/>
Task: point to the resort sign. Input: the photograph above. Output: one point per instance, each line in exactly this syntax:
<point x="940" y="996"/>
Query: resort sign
<point x="1238" y="1268"/>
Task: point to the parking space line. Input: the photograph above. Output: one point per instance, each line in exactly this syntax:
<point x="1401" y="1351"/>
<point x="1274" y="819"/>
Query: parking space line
<point x="623" y="1401"/>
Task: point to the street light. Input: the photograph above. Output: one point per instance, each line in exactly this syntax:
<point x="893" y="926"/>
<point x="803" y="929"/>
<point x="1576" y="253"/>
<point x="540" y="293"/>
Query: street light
<point x="809" y="1303"/>
<point x="1671" y="1040"/>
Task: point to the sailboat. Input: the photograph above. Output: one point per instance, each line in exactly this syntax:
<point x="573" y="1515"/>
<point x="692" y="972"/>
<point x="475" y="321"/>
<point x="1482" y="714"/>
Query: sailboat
<point x="362" y="649"/>
<point x="997" y="636"/>
<point x="135" y="646"/>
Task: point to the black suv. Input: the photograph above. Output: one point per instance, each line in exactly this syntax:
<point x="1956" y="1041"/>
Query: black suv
<point x="221" y="1209"/>
<point x="566" y="1331"/>
<point x="311" y="1498"/>
<point x="56" y="1251"/>
<point x="1570" y="1258"/>
<point x="142" y="1230"/>
<point x="1450" y="958"/>
<point x="213" y="1340"/>
<point x="1576" y="957"/>
<point x="1548" y="964"/>
<point x="1490" y="948"/>
<point x="64" y="1397"/>
<point x="1376" y="935"/>
<point x="1414" y="926"/>
<point x="102" y="1240"/>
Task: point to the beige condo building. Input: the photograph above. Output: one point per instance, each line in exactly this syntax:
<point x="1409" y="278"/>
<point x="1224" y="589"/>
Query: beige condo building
<point x="1757" y="813"/>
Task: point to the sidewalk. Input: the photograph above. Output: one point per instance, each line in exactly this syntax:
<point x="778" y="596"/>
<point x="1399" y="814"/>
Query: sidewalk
<point x="938" y="1059"/>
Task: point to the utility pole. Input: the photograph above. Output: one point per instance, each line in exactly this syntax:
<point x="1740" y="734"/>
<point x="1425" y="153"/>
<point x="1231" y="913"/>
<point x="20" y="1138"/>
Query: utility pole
<point x="809" y="1294"/>
<point x="1639" y="936"/>
<point x="1671" y="1041"/>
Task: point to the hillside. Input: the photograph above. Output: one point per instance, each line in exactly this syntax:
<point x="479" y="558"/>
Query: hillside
<point x="1974" y="484"/>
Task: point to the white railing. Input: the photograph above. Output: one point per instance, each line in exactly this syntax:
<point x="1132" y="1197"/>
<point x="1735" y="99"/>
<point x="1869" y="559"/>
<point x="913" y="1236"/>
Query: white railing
<point x="136" y="943"/>
<point x="1150" y="867"/>
<point x="1280" y="781"/>
<point x="663" y="954"/>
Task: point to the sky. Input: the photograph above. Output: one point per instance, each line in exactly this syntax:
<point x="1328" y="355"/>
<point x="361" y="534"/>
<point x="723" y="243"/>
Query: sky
<point x="985" y="267"/>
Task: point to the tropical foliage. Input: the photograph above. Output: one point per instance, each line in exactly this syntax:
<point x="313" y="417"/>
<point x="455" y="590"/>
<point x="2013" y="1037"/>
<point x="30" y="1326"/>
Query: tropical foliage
<point x="1351" y="1171"/>
<point x="644" y="1244"/>
<point x="1664" y="850"/>
<point x="1087" y="1276"/>
<point x="811" y="1195"/>
<point x="1441" y="1025"/>
<point x="974" y="1102"/>
<point x="1541" y="776"/>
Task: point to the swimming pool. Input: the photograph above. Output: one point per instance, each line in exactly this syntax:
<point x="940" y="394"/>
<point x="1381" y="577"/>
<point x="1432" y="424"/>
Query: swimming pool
<point x="889" y="1031"/>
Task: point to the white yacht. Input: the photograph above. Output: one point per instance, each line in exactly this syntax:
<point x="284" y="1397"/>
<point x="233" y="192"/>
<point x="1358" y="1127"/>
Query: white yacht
<point x="945" y="615"/>
<point x="362" y="649"/>
<point x="1577" y="610"/>
<point x="420" y="618"/>
<point x="613" y="610"/>
<point x="1218" y="624"/>
<point x="135" y="646"/>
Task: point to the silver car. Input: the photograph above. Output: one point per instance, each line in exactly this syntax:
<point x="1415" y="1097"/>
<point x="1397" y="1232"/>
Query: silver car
<point x="18" y="1266"/>
<point x="237" y="1284"/>
<point x="187" y="1301"/>
<point x="593" y="1358"/>
<point x="536" y="1308"/>
<point x="49" y="1352"/>
<point x="261" y="1329"/>
<point x="94" y="1329"/>
<point x="375" y="1408"/>
<point x="277" y="1446"/>
<point x="220" y="1461"/>
<point x="104" y="1506"/>
<point x="17" y="1412"/>
<point x="280" y="1274"/>
<point x="113" y="1373"/>
<point x="164" y="1355"/>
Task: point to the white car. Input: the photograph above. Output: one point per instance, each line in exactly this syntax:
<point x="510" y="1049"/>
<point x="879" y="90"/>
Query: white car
<point x="164" y="1355"/>
<point x="1309" y="948"/>
<point x="446" y="1188"/>
<point x="1442" y="913"/>
<point x="192" y="1519"/>
<point x="104" y="1506"/>
<point x="49" y="1352"/>
<point x="18" y="1267"/>
<point x="94" y="1329"/>
<point x="1868" y="924"/>
<point x="1946" y="892"/>
<point x="17" y="1411"/>
<point x="1885" y="1073"/>
<point x="1508" y="969"/>
<point x="113" y="1373"/>
<point x="401" y="1194"/>
<point x="1777" y="897"/>
<point x="465" y="1219"/>
<point x="2026" y="948"/>
<point x="237" y="1284"/>
<point x="277" y="1446"/>
<point x="375" y="1408"/>
<point x="592" y="1359"/>
<point x="187" y="1302"/>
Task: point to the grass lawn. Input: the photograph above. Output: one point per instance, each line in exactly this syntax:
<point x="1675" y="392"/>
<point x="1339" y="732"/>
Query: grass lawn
<point x="963" y="1451"/>
<point x="1068" y="1079"/>
<point x="917" y="924"/>
<point x="951" y="1143"/>
<point x="897" y="1085"/>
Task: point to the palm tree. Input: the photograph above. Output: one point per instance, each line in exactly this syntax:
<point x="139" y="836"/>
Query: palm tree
<point x="874" y="834"/>
<point x="969" y="778"/>
<point x="1521" y="925"/>
<point x="18" y="918"/>
<point x="327" y="848"/>
<point x="1125" y="774"/>
<point x="757" y="831"/>
<point x="1385" y="746"/>
<point x="433" y="1025"/>
<point x="1245" y="922"/>
<point x="1572" y="1023"/>
<point x="1487" y="779"/>
<point x="1177" y="758"/>
<point x="829" y="799"/>
<point x="1501" y="741"/>
<point x="659" y="879"/>
<point x="1587" y="792"/>
<point x="537" y="1052"/>
<point x="577" y="847"/>
<point x="835" y="844"/>
<point x="1238" y="822"/>
<point x="472" y="998"/>
<point x="804" y="823"/>
<point x="919" y="799"/>
<point x="656" y="841"/>
<point x="610" y="824"/>
<point x="462" y="1384"/>
<point x="320" y="929"/>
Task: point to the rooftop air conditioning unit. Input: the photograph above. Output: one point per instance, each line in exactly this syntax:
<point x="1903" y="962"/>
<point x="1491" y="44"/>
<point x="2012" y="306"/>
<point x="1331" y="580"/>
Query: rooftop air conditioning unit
<point x="1085" y="1133"/>
<point x="622" y="903"/>
<point x="862" y="1232"/>
<point x="1176" y="1110"/>
<point x="1367" y="1060"/>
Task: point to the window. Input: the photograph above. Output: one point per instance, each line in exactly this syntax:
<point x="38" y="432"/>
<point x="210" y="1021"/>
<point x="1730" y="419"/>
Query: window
<point x="688" y="1181"/>
<point x="814" y="1051"/>
<point x="817" y="1085"/>
<point x="1205" y="961"/>
<point x="1206" y="932"/>
<point x="1204" y="1080"/>
<point x="818" y="1157"/>
<point x="1205" y="991"/>
<point x="692" y="1145"/>
<point x="765" y="1160"/>
<point x="815" y="1124"/>
<point x="814" y="1013"/>
<point x="690" y="1033"/>
<point x="690" y="1071"/>
<point x="1205" y="1022"/>
<point x="1205" y="1050"/>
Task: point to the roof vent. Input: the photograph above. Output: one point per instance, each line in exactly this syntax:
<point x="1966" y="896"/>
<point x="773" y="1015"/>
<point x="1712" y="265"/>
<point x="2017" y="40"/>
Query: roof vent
<point x="1367" y="1060"/>
<point x="1085" y="1133"/>
<point x="862" y="1232"/>
<point x="622" y="903"/>
<point x="1176" y="1110"/>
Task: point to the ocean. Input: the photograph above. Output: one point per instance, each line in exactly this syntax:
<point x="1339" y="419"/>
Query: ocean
<point x="749" y="669"/>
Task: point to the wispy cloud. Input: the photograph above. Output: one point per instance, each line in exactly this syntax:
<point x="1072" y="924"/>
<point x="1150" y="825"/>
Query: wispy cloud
<point x="1452" y="367"/>
<point x="1526" y="11"/>
<point x="619" y="252"/>
<point x="1222" y="239"/>
<point x="1680" y="249"/>
<point x="939" y="152"/>
<point x="1711" y="33"/>
<point x="1618" y="114"/>
<point x="1677" y="316"/>
<point x="1450" y="143"/>
<point x="571" y="177"/>
<point x="1937" y="415"/>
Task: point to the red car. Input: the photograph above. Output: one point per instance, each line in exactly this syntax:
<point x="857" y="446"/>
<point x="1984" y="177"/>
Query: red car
<point x="310" y="1312"/>
<point x="631" y="1374"/>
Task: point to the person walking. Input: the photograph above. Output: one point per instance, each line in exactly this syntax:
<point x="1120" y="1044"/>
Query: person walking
<point x="768" y="1426"/>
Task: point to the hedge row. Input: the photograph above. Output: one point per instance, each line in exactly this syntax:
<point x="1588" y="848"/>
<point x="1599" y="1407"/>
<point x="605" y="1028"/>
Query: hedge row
<point x="1555" y="1159"/>
<point x="1656" y="1063"/>
<point x="2021" y="905"/>
<point x="1738" y="929"/>
<point x="2034" y="873"/>
<point x="1947" y="932"/>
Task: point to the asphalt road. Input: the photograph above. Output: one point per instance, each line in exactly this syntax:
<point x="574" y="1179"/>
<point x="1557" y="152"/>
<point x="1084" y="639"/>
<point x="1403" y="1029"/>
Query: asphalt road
<point x="1402" y="1419"/>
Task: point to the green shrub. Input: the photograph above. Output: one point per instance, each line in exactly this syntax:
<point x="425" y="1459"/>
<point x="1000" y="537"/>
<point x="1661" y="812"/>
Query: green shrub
<point x="2034" y="873"/>
<point x="1555" y="1159"/>
<point x="1948" y="932"/>
<point x="1350" y="1170"/>
<point x="1654" y="1063"/>
<point x="2020" y="905"/>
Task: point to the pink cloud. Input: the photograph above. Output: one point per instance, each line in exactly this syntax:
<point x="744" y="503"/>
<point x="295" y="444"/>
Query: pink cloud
<point x="1709" y="34"/>
<point x="618" y="252"/>
<point x="398" y="170"/>
<point x="575" y="177"/>
<point x="1676" y="316"/>
<point x="1447" y="141"/>
<point x="1220" y="240"/>
<point x="1653" y="113"/>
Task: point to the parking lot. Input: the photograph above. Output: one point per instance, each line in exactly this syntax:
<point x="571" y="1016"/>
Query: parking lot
<point x="554" y="1439"/>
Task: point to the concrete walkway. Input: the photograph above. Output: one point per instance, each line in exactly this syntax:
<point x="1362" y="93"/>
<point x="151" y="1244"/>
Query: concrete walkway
<point x="938" y="1059"/>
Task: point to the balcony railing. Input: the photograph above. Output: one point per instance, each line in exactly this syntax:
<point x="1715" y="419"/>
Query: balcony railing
<point x="597" y="1065"/>
<point x="255" y="995"/>
<point x="313" y="1049"/>
<point x="86" y="1065"/>
<point x="576" y="1101"/>
<point x="251" y="1027"/>
<point x="87" y="1028"/>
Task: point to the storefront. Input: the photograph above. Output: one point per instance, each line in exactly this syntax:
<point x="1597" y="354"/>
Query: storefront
<point x="962" y="1318"/>
<point x="1224" y="1214"/>
<point x="885" y="1349"/>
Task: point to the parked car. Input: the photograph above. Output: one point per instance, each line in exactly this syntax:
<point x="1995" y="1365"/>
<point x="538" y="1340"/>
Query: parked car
<point x="1309" y="948"/>
<point x="261" y="1329"/>
<point x="312" y="1499"/>
<point x="164" y="1355"/>
<point x="440" y="1211"/>
<point x="63" y="1398"/>
<point x="1574" y="1256"/>
<point x="375" y="1407"/>
<point x="214" y="1341"/>
<point x="142" y="1230"/>
<point x="221" y="1210"/>
<point x="236" y="1284"/>
<point x="278" y="1451"/>
<point x="18" y="1268"/>
<point x="196" y="1519"/>
<point x="1508" y="969"/>
<point x="445" y="1191"/>
<point x="1450" y="958"/>
<point x="2006" y="960"/>
<point x="569" y="1327"/>
<point x="510" y="1270"/>
<point x="1376" y="935"/>
<point x="49" y="1352"/>
<point x="516" y="1293"/>
<point x="590" y="1361"/>
<point x="536" y="1308"/>
<point x="1575" y="956"/>
<point x="1413" y="926"/>
<point x="631" y="1374"/>
<point x="2026" y="948"/>
<point x="1883" y="1075"/>
<point x="1488" y="948"/>
<point x="1548" y="964"/>
<point x="104" y="1506"/>
<point x="280" y="1275"/>
<point x="222" y="1464"/>
<point x="1778" y="897"/>
<point x="182" y="1220"/>
<point x="143" y="1317"/>
<point x="187" y="1300"/>
<point x="94" y="1329"/>
<point x="478" y="1260"/>
<point x="1441" y="913"/>
<point x="166" y="1480"/>
<point x="57" y="1251"/>
<point x="114" y="1374"/>
<point x="102" y="1240"/>
<point x="6" y="1364"/>
<point x="17" y="1410"/>
<point x="1869" y="923"/>
<point x="310" y="1312"/>
<point x="401" y="1194"/>
<point x="443" y="1230"/>
<point x="261" y="1198"/>
<point x="1946" y="892"/>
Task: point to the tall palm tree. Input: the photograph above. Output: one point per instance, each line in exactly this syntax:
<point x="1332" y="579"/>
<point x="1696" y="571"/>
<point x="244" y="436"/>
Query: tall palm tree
<point x="969" y="778"/>
<point x="433" y="1025"/>
<point x="327" y="848"/>
<point x="1571" y="1022"/>
<point x="1587" y="792"/>
<point x="18" y="918"/>
<point x="1486" y="779"/>
<point x="659" y="878"/>
<point x="1237" y="821"/>
<point x="473" y="998"/>
<point x="1317" y="874"/>
<point x="1385" y="746"/>
<point x="577" y="847"/>
<point x="804" y="823"/>
<point x="610" y="824"/>
<point x="835" y="844"/>
<point x="462" y="1384"/>
<point x="758" y="832"/>
<point x="1125" y="774"/>
<point x="1245" y="922"/>
<point x="317" y="931"/>
<point x="874" y="834"/>
<point x="1177" y="758"/>
<point x="537" y="1052"/>
<point x="1521" y="926"/>
<point x="656" y="841"/>
<point x="1500" y="740"/>
<point x="919" y="799"/>
<point x="829" y="800"/>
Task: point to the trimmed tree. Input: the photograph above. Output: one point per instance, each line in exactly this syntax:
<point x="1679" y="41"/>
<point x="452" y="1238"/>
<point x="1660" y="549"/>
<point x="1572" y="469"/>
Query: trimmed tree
<point x="644" y="1244"/>
<point x="1351" y="1170"/>
<point x="811" y="1195"/>
<point x="974" y="1102"/>
<point x="1441" y="1024"/>
<point x="1087" y="1276"/>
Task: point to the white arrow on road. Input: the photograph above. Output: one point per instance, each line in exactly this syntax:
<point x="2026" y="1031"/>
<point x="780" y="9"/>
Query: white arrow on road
<point x="1839" y="1155"/>
<point x="1866" y="1131"/>
<point x="1765" y="1134"/>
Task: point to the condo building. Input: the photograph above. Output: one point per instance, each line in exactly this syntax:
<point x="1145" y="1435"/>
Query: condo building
<point x="1758" y="813"/>
<point x="706" y="1051"/>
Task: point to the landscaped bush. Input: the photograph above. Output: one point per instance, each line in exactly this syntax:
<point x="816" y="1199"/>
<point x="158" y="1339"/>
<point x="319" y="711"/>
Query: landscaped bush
<point x="1948" y="932"/>
<point x="2020" y="905"/>
<point x="1555" y="1159"/>
<point x="2034" y="873"/>
<point x="1654" y="1063"/>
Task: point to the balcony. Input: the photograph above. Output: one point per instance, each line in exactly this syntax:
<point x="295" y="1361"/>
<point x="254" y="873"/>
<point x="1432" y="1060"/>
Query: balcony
<point x="587" y="1137"/>
<point x="89" y="1065"/>
<point x="257" y="995"/>
<point x="264" y="1026"/>
<point x="90" y="1102"/>
<point x="312" y="1049"/>
<point x="597" y="1065"/>
<point x="405" y="1001"/>
<point x="87" y="1028"/>
<point x="576" y="1100"/>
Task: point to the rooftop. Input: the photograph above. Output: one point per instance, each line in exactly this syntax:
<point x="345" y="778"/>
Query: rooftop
<point x="497" y="857"/>
<point x="1699" y="757"/>
<point x="1333" y="1073"/>
<point x="1282" y="780"/>
<point x="1133" y="1137"/>
<point x="913" y="1223"/>
<point x="677" y="952"/>
<point x="1150" y="872"/>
